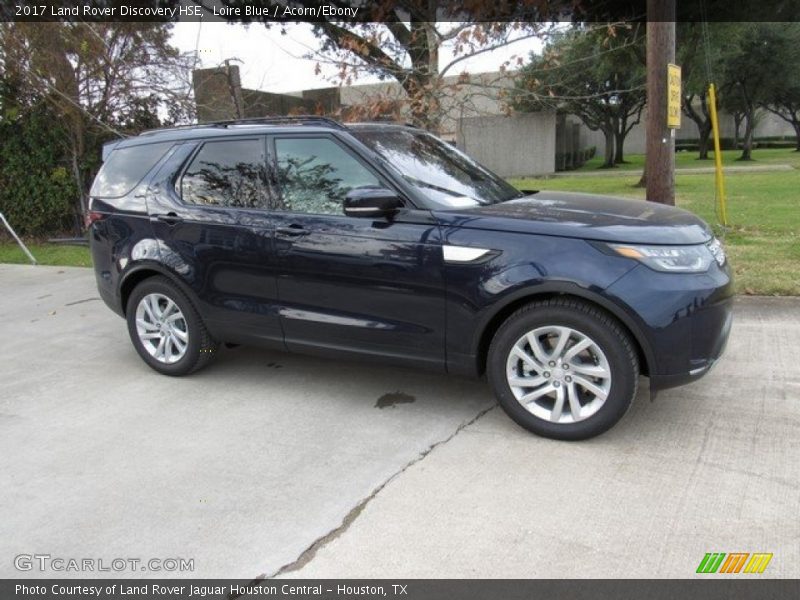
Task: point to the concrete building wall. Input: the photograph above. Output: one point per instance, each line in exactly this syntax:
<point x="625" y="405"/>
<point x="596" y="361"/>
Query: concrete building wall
<point x="770" y="124"/>
<point x="260" y="104"/>
<point x="322" y="100"/>
<point x="511" y="146"/>
<point x="459" y="99"/>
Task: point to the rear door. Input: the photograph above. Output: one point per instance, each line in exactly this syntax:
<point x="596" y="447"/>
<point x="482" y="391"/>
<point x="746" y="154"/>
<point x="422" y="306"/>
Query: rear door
<point x="352" y="286"/>
<point x="214" y="232"/>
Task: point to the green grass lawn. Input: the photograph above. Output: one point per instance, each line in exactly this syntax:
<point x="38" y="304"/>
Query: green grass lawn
<point x="763" y="242"/>
<point x="46" y="254"/>
<point x="688" y="160"/>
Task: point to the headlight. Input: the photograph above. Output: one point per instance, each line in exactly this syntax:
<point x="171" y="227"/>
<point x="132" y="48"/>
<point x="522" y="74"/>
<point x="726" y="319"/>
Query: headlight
<point x="672" y="259"/>
<point x="715" y="247"/>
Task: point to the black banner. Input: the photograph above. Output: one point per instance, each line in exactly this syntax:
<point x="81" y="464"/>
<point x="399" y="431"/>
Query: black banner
<point x="366" y="11"/>
<point x="714" y="588"/>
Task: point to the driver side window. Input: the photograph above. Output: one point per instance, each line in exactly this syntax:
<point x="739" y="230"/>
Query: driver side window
<point x="315" y="174"/>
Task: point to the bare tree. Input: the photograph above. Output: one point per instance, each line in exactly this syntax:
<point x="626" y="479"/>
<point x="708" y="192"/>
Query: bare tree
<point x="402" y="40"/>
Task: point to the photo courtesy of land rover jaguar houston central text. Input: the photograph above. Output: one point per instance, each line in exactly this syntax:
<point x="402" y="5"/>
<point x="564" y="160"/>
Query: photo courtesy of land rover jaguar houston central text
<point x="381" y="242"/>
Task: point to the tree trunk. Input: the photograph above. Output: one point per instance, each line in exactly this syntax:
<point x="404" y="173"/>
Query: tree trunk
<point x="747" y="141"/>
<point x="78" y="209"/>
<point x="77" y="151"/>
<point x="608" y="157"/>
<point x="660" y="155"/>
<point x="619" y="142"/>
<point x="423" y="108"/>
<point x="737" y="123"/>
<point x="626" y="120"/>
<point x="704" y="142"/>
<point x="422" y="86"/>
<point x="702" y="119"/>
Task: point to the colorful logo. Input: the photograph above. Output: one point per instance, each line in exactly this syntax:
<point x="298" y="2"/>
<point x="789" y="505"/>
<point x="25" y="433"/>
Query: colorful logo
<point x="735" y="562"/>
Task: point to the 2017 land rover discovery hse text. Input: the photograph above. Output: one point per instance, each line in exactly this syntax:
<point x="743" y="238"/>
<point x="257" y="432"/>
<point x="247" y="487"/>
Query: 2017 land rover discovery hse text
<point x="382" y="242"/>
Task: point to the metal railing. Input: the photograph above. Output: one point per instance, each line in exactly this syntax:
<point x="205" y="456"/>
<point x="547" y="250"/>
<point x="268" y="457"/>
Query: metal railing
<point x="16" y="237"/>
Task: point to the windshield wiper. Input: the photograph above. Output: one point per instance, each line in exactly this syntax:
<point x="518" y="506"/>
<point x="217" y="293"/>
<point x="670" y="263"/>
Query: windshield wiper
<point x="432" y="186"/>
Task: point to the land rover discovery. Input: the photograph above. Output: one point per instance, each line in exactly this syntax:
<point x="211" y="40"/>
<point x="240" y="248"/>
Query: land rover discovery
<point x="379" y="242"/>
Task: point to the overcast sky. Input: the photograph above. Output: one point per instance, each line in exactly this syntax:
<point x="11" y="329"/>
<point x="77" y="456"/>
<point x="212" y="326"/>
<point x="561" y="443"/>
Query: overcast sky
<point x="274" y="62"/>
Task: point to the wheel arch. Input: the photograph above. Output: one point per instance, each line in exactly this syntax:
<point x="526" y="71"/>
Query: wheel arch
<point x="523" y="297"/>
<point x="140" y="273"/>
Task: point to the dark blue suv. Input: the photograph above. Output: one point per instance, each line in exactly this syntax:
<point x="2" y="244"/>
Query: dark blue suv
<point x="382" y="242"/>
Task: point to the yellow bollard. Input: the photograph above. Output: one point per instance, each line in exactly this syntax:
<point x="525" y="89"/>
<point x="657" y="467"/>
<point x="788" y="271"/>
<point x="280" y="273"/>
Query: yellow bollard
<point x="720" y="178"/>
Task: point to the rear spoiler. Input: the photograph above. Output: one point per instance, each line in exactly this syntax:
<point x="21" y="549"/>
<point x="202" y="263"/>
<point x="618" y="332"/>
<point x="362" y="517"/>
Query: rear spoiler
<point x="108" y="148"/>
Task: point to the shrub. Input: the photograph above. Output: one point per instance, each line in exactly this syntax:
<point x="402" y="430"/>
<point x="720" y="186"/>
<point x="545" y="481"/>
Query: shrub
<point x="37" y="191"/>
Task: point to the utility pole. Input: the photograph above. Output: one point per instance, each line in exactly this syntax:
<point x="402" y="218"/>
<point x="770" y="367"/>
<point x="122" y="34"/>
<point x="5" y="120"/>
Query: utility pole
<point x="660" y="152"/>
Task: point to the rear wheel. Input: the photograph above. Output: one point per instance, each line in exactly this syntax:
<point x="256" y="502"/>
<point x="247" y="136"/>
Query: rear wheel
<point x="166" y="329"/>
<point x="563" y="369"/>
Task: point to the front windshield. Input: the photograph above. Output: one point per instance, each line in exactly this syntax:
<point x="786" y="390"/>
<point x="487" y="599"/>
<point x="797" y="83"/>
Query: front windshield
<point x="448" y="177"/>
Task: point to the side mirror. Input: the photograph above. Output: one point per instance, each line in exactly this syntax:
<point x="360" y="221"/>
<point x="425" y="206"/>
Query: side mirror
<point x="371" y="203"/>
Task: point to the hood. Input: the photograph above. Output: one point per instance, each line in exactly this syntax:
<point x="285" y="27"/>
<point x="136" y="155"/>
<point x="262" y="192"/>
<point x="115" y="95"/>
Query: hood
<point x="585" y="216"/>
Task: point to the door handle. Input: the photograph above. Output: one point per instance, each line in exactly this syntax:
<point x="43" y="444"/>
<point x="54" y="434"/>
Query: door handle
<point x="291" y="231"/>
<point x="169" y="218"/>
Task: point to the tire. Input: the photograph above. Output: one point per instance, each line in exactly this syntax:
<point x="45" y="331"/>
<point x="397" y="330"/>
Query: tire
<point x="187" y="345"/>
<point x="582" y="350"/>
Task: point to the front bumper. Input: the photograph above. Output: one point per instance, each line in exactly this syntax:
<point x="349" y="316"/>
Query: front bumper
<point x="685" y="319"/>
<point x="700" y="366"/>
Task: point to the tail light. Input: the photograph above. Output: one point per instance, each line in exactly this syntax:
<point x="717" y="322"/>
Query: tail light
<point x="92" y="217"/>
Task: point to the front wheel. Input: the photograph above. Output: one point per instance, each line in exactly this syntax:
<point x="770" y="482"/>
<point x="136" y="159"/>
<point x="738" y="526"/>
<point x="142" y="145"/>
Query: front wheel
<point x="563" y="369"/>
<point x="166" y="329"/>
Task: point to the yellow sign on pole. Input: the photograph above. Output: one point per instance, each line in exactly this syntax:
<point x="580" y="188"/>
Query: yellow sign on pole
<point x="673" y="96"/>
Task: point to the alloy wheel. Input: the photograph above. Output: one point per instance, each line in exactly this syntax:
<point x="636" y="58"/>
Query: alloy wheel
<point x="558" y="374"/>
<point x="162" y="328"/>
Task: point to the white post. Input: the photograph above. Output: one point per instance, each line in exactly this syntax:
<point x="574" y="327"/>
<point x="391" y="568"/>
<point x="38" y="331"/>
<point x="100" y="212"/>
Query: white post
<point x="16" y="237"/>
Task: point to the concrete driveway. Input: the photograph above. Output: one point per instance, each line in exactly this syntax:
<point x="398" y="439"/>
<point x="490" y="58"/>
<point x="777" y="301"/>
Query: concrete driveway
<point x="268" y="463"/>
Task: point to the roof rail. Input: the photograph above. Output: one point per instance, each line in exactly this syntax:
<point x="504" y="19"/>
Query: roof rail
<point x="289" y="119"/>
<point x="276" y="120"/>
<point x="387" y="121"/>
<point x="177" y="128"/>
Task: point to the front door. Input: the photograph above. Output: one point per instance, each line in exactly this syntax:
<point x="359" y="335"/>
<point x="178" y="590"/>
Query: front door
<point x="352" y="286"/>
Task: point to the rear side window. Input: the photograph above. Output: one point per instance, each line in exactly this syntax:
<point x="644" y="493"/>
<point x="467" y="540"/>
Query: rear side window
<point x="125" y="168"/>
<point x="228" y="173"/>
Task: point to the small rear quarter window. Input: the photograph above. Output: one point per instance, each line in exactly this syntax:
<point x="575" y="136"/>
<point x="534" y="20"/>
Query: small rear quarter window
<point x="125" y="168"/>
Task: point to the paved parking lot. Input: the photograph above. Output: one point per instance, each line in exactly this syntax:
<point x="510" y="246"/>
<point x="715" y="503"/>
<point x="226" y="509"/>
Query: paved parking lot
<point x="271" y="463"/>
